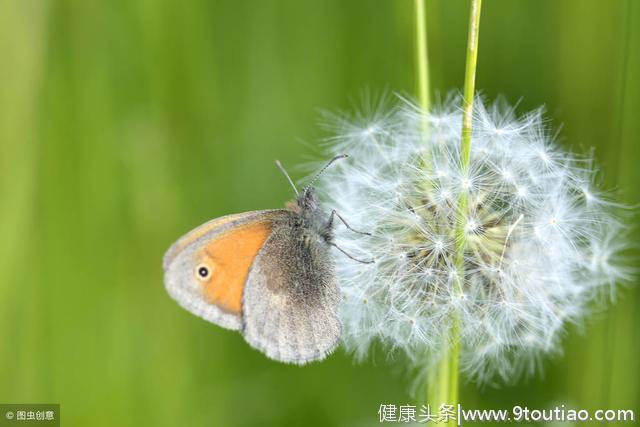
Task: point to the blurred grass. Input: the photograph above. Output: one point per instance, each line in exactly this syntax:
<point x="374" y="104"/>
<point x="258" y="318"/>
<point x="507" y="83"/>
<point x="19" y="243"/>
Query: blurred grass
<point x="125" y="123"/>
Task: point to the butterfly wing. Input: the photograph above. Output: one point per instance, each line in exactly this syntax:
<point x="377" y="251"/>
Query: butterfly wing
<point x="225" y="248"/>
<point x="291" y="296"/>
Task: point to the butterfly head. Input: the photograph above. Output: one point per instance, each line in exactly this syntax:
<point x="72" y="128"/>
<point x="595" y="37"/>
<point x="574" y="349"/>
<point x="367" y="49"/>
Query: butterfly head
<point x="308" y="200"/>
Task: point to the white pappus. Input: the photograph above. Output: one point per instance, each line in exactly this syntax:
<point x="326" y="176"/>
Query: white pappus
<point x="541" y="240"/>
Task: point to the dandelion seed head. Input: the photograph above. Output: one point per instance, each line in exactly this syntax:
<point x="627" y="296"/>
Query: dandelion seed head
<point x="541" y="242"/>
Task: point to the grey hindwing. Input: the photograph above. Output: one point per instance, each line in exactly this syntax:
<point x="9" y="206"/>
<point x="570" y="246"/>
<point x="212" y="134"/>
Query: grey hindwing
<point x="291" y="296"/>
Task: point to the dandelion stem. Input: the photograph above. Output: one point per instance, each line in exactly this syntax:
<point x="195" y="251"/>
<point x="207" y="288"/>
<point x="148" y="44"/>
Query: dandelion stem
<point x="439" y="378"/>
<point x="448" y="367"/>
<point x="422" y="60"/>
<point x="470" y="80"/>
<point x="454" y="362"/>
<point x="467" y="119"/>
<point x="422" y="80"/>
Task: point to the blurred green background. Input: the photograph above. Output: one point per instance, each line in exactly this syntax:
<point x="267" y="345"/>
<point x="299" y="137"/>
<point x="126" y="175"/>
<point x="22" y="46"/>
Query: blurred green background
<point x="125" y="123"/>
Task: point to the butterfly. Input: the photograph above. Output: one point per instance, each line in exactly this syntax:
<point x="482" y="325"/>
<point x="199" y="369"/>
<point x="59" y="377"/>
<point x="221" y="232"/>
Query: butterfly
<point x="268" y="274"/>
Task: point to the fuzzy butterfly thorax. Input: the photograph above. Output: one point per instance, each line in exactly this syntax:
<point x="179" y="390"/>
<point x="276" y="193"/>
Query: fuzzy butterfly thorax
<point x="311" y="215"/>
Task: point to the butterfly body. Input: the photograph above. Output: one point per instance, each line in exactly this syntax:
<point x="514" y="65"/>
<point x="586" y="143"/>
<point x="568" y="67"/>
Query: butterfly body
<point x="268" y="274"/>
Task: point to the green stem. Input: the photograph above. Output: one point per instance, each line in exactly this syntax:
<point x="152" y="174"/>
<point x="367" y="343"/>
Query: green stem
<point x="422" y="67"/>
<point x="467" y="119"/>
<point x="454" y="363"/>
<point x="421" y="54"/>
<point x="444" y="380"/>
<point x="470" y="80"/>
<point x="438" y="385"/>
<point x="444" y="377"/>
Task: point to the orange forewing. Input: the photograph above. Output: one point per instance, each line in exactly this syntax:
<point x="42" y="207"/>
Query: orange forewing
<point x="230" y="256"/>
<point x="198" y="233"/>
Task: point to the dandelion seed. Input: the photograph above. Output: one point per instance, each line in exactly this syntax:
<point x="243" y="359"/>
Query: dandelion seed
<point x="541" y="241"/>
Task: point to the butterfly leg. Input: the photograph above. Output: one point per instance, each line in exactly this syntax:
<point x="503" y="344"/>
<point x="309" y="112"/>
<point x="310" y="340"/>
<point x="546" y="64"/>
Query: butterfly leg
<point x="349" y="255"/>
<point x="335" y="213"/>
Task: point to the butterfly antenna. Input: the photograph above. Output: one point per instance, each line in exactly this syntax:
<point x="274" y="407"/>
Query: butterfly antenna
<point x="315" y="178"/>
<point x="279" y="165"/>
